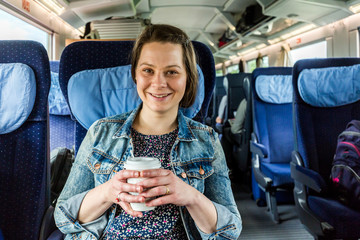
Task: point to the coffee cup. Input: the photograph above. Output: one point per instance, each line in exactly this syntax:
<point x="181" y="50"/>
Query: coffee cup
<point x="139" y="164"/>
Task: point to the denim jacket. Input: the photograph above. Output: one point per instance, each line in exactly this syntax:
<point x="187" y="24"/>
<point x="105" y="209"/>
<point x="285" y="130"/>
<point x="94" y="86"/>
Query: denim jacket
<point x="106" y="147"/>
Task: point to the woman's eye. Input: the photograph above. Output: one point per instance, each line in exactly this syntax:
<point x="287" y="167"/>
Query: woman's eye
<point x="171" y="72"/>
<point x="146" y="70"/>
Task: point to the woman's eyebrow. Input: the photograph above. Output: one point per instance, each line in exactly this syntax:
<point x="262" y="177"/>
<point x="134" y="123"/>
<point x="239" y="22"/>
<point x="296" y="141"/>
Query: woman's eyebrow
<point x="175" y="65"/>
<point x="147" y="64"/>
<point x="151" y="65"/>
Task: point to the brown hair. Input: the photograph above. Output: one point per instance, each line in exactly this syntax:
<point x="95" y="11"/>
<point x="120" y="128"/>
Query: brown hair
<point x="170" y="34"/>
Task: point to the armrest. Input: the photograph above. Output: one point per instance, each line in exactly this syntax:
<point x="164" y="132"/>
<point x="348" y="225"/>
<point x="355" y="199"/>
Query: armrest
<point x="264" y="181"/>
<point x="304" y="175"/>
<point x="48" y="223"/>
<point x="258" y="149"/>
<point x="239" y="138"/>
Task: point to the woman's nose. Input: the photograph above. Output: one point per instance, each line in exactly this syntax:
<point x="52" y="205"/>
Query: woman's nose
<point x="159" y="80"/>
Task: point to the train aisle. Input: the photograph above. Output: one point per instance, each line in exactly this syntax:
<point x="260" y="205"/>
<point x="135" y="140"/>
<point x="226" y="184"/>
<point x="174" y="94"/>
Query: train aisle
<point x="258" y="225"/>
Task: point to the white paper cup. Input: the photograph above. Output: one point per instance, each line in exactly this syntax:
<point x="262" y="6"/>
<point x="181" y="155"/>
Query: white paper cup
<point x="139" y="164"/>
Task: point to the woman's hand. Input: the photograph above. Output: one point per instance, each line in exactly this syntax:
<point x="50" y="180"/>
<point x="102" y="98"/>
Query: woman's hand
<point x="167" y="187"/>
<point x="118" y="191"/>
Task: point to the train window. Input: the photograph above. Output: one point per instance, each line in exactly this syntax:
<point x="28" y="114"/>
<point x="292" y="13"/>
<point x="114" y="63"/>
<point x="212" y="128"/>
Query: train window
<point x="219" y="72"/>
<point x="315" y="50"/>
<point x="251" y="64"/>
<point x="13" y="28"/>
<point x="233" y="69"/>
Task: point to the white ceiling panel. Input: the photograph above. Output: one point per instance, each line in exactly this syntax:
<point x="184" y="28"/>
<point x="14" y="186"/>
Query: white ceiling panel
<point x="183" y="17"/>
<point x="217" y="26"/>
<point x="90" y="10"/>
<point x="212" y="3"/>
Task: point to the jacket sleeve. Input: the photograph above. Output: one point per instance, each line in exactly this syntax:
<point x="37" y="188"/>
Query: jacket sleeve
<point x="218" y="190"/>
<point x="79" y="182"/>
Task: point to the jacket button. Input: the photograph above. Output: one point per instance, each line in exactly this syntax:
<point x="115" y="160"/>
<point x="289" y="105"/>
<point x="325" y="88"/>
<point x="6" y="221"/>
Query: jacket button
<point x="183" y="174"/>
<point x="97" y="166"/>
<point x="201" y="171"/>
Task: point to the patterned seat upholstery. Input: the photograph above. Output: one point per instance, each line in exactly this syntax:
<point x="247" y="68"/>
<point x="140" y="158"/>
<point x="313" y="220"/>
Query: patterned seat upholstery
<point x="81" y="56"/>
<point x="23" y="152"/>
<point x="62" y="127"/>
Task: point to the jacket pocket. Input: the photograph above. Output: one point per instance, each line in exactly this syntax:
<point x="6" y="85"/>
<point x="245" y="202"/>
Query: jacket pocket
<point x="101" y="163"/>
<point x="196" y="171"/>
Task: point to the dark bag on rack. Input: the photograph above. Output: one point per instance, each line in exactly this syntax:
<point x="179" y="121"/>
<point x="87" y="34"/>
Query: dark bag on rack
<point x="61" y="160"/>
<point x="345" y="172"/>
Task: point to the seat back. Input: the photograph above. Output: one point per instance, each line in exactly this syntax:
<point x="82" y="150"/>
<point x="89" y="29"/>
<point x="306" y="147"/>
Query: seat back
<point x="24" y="192"/>
<point x="235" y="92"/>
<point x="81" y="56"/>
<point x="272" y="112"/>
<point x="62" y="127"/>
<point x="242" y="155"/>
<point x="317" y="127"/>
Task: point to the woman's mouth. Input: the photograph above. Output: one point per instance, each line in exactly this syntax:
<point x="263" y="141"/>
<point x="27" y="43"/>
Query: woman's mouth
<point x="160" y="95"/>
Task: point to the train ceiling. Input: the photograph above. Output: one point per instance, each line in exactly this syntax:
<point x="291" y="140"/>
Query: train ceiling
<point x="228" y="27"/>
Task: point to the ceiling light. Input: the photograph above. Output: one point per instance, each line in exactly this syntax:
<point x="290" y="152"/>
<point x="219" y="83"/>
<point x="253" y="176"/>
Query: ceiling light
<point x="297" y="31"/>
<point x="262" y="45"/>
<point x="52" y="5"/>
<point x="355" y="8"/>
<point x="275" y="40"/>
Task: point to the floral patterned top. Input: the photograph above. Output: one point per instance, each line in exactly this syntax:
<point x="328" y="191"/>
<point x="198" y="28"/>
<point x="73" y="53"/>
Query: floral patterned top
<point x="164" y="222"/>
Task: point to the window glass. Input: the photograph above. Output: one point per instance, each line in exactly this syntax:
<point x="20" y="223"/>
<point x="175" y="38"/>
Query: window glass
<point x="251" y="64"/>
<point x="219" y="73"/>
<point x="316" y="50"/>
<point x="13" y="28"/>
<point x="233" y="69"/>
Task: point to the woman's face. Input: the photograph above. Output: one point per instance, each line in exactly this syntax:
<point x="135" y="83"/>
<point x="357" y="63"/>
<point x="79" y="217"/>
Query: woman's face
<point x="161" y="77"/>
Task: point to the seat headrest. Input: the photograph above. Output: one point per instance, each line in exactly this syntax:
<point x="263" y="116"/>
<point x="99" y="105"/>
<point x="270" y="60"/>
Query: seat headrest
<point x="17" y="95"/>
<point x="330" y="87"/>
<point x="57" y="102"/>
<point x="246" y="87"/>
<point x="275" y="89"/>
<point x="111" y="91"/>
<point x="226" y="84"/>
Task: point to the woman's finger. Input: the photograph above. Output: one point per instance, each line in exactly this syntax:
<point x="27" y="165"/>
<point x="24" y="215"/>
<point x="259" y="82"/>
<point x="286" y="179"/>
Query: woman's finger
<point x="165" y="199"/>
<point x="128" y="187"/>
<point x="150" y="173"/>
<point x="125" y="174"/>
<point x="127" y="208"/>
<point x="156" y="191"/>
<point x="125" y="197"/>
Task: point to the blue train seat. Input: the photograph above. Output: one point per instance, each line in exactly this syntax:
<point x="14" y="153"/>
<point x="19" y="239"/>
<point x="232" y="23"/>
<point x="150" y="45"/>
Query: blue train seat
<point x="272" y="138"/>
<point x="82" y="56"/>
<point x="326" y="98"/>
<point x="24" y="88"/>
<point x="62" y="127"/>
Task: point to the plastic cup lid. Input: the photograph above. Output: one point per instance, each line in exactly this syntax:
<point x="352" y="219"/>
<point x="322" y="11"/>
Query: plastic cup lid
<point x="142" y="163"/>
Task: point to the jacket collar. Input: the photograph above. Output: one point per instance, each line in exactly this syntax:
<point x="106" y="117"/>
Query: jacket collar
<point x="185" y="133"/>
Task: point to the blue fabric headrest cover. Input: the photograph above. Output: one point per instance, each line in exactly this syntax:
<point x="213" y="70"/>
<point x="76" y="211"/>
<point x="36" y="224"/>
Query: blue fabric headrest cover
<point x="330" y="87"/>
<point x="99" y="93"/>
<point x="57" y="102"/>
<point x="275" y="89"/>
<point x="17" y="95"/>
